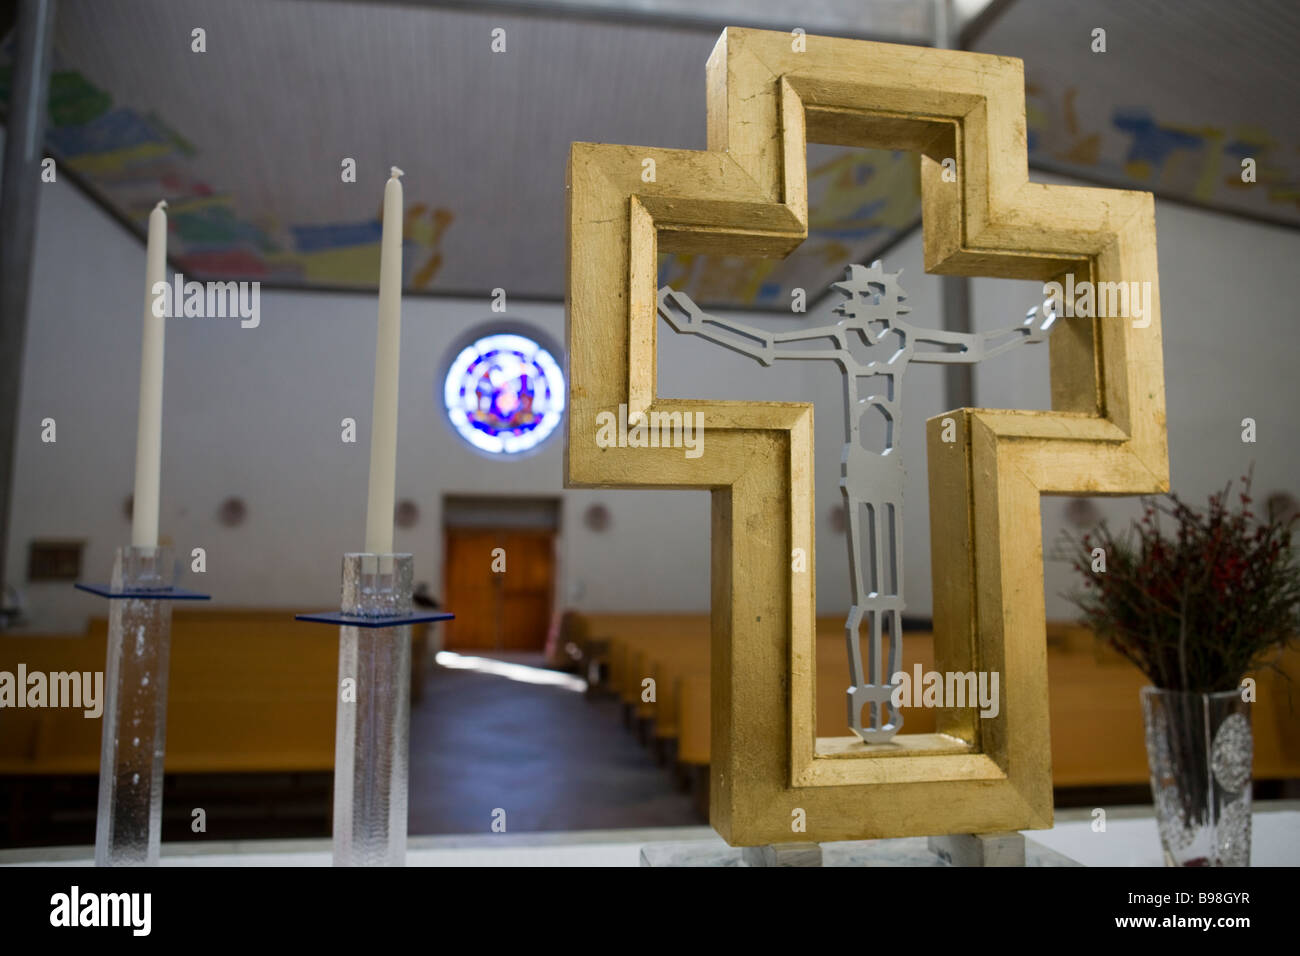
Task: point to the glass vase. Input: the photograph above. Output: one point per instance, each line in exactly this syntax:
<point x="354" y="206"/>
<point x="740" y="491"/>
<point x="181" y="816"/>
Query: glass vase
<point x="1199" y="749"/>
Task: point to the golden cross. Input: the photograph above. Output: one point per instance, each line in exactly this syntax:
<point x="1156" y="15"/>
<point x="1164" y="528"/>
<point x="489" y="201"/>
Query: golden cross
<point x="770" y="93"/>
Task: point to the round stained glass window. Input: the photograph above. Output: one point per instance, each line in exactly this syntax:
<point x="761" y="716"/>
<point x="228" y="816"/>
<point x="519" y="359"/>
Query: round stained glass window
<point x="504" y="393"/>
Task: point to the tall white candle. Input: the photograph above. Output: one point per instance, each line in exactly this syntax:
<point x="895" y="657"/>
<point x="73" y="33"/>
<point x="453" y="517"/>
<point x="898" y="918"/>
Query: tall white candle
<point x="148" y="433"/>
<point x="383" y="427"/>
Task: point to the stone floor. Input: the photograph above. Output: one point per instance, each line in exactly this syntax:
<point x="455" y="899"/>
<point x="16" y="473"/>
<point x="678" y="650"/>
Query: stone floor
<point x="550" y="758"/>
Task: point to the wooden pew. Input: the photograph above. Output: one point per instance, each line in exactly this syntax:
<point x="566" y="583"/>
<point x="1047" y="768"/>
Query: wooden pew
<point x="249" y="691"/>
<point x="663" y="662"/>
<point x="693" y="719"/>
<point x="669" y="670"/>
<point x="1096" y="719"/>
<point x="624" y="639"/>
<point x="1096" y="714"/>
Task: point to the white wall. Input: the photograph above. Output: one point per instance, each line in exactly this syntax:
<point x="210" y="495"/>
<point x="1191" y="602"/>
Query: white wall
<point x="1229" y="322"/>
<point x="256" y="413"/>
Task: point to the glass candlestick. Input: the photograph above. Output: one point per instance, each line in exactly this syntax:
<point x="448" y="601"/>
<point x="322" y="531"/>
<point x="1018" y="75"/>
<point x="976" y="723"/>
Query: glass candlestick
<point x="372" y="733"/>
<point x="372" y="728"/>
<point x="129" y="827"/>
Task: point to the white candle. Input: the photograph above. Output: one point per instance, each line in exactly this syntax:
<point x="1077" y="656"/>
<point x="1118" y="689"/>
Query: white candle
<point x="148" y="433"/>
<point x="383" y="422"/>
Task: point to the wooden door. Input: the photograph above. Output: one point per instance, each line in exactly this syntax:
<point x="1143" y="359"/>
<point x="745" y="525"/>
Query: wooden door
<point x="472" y="589"/>
<point x="499" y="610"/>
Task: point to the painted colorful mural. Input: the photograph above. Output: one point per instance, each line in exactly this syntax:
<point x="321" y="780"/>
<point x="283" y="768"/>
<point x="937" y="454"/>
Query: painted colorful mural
<point x="128" y="159"/>
<point x="1134" y="147"/>
<point x="485" y="141"/>
<point x="858" y="202"/>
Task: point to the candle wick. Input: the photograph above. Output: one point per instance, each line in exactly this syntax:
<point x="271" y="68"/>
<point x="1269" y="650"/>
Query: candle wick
<point x="394" y="172"/>
<point x="162" y="204"/>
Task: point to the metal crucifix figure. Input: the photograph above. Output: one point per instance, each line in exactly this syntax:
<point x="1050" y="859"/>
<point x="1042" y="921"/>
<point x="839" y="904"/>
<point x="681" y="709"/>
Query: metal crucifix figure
<point x="871" y="479"/>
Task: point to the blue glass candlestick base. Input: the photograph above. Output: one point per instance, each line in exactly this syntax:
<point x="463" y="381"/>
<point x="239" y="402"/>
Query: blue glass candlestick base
<point x="372" y="730"/>
<point x="148" y="594"/>
<point x="128" y="830"/>
<point x="361" y="620"/>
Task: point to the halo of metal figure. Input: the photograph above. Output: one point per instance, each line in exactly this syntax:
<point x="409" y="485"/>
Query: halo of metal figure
<point x="871" y="479"/>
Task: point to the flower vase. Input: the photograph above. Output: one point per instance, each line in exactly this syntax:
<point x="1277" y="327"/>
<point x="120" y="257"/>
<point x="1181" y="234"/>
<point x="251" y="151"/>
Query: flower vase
<point x="1199" y="749"/>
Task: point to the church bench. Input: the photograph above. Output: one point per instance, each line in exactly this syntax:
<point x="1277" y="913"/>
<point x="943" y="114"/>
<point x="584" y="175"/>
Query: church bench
<point x="250" y="691"/>
<point x="668" y="670"/>
<point x="658" y="658"/>
<point x="1095" y="708"/>
<point x="663" y="662"/>
<point x="1096" y="715"/>
<point x="621" y="631"/>
<point x="693" y="696"/>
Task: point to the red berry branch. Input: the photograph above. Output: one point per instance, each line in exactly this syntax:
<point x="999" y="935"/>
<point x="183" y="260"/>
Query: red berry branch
<point x="1201" y="606"/>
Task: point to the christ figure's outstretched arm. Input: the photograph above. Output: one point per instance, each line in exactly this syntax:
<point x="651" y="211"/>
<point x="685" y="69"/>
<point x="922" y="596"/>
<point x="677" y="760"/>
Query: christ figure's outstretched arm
<point x="681" y="312"/>
<point x="971" y="347"/>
